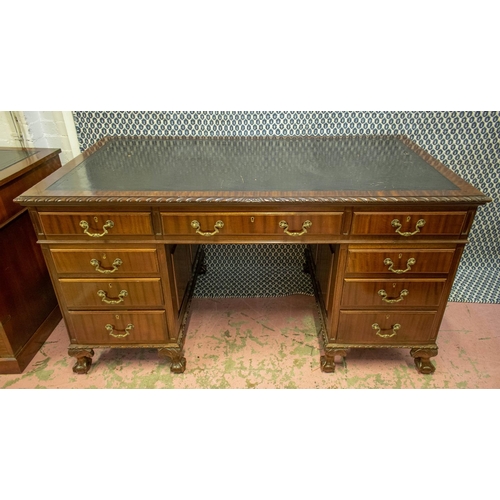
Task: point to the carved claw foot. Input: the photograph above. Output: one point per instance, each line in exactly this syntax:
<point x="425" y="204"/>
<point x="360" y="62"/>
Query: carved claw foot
<point x="422" y="360"/>
<point x="327" y="362"/>
<point x="175" y="354"/>
<point x="83" y="359"/>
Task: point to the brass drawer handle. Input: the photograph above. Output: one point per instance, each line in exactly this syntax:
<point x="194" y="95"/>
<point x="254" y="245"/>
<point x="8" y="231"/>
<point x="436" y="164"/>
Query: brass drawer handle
<point x="395" y="223"/>
<point x="284" y="225"/>
<point x="97" y="264"/>
<point x="111" y="329"/>
<point x="218" y="225"/>
<point x="106" y="300"/>
<point x="402" y="295"/>
<point x="395" y="328"/>
<point x="410" y="262"/>
<point x="109" y="224"/>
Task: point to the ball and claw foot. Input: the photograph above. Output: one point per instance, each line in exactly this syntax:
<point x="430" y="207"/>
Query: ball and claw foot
<point x="178" y="366"/>
<point x="83" y="359"/>
<point x="327" y="362"/>
<point x="175" y="354"/>
<point x="422" y="360"/>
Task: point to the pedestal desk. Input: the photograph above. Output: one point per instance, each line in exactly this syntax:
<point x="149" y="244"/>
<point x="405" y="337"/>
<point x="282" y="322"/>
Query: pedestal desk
<point x="122" y="228"/>
<point x="28" y="304"/>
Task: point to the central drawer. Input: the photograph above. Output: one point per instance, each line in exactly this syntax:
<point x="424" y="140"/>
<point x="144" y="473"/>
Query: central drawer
<point x="112" y="293"/>
<point x="102" y="328"/>
<point x="290" y="224"/>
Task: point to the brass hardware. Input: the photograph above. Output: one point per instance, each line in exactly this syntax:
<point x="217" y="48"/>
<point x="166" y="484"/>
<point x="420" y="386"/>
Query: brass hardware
<point x="402" y="295"/>
<point x="127" y="330"/>
<point x="109" y="224"/>
<point x="410" y="262"/>
<point x="284" y="225"/>
<point x="96" y="219"/>
<point x="218" y="225"/>
<point x="395" y="223"/>
<point x="252" y="219"/>
<point x="395" y="328"/>
<point x="106" y="300"/>
<point x="116" y="264"/>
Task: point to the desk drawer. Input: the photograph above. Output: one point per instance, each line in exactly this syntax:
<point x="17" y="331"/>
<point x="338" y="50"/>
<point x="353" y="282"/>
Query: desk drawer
<point x="103" y="328"/>
<point x="395" y="293"/>
<point x="289" y="224"/>
<point x="408" y="224"/>
<point x="399" y="261"/>
<point x="379" y="327"/>
<point x="105" y="261"/>
<point x="112" y="293"/>
<point x="92" y="225"/>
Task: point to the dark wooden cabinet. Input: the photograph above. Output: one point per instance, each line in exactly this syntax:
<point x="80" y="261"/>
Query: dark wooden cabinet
<point x="384" y="223"/>
<point x="28" y="305"/>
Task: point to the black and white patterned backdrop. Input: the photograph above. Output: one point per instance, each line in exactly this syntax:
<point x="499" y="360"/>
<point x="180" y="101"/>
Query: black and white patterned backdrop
<point x="468" y="142"/>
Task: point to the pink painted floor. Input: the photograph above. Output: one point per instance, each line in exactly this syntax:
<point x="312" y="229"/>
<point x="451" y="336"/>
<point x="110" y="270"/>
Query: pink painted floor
<point x="272" y="343"/>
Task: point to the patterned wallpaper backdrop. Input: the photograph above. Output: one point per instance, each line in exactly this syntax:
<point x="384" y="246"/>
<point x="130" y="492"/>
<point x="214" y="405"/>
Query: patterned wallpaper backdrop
<point x="468" y="142"/>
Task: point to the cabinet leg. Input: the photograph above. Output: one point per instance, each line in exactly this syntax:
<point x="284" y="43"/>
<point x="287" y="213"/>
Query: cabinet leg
<point x="176" y="355"/>
<point x="327" y="361"/>
<point x="422" y="359"/>
<point x="83" y="359"/>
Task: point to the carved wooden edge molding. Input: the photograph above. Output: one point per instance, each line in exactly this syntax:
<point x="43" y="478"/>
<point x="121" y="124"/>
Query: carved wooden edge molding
<point x="270" y="199"/>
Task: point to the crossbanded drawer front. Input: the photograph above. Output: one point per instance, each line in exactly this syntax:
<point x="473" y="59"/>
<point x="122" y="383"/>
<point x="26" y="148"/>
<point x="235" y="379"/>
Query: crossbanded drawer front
<point x="287" y="224"/>
<point x="396" y="293"/>
<point x="398" y="262"/>
<point x="408" y="224"/>
<point x="380" y="327"/>
<point x="101" y="328"/>
<point x="95" y="226"/>
<point x="112" y="293"/>
<point x="105" y="261"/>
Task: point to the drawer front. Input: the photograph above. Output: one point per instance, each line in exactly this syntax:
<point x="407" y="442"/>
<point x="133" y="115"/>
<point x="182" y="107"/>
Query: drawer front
<point x="106" y="261"/>
<point x="379" y="327"/>
<point x="408" y="224"/>
<point x="289" y="224"/>
<point x="112" y="293"/>
<point x="396" y="293"/>
<point x="92" y="226"/>
<point x="399" y="261"/>
<point x="101" y="328"/>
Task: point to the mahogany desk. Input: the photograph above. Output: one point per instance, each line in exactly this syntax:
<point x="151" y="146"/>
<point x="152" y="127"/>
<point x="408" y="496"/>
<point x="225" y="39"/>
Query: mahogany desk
<point x="121" y="226"/>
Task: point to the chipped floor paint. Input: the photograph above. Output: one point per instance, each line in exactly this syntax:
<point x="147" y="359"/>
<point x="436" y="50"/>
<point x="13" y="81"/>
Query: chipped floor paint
<point x="272" y="343"/>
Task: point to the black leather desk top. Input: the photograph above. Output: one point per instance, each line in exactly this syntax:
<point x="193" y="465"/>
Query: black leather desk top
<point x="254" y="164"/>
